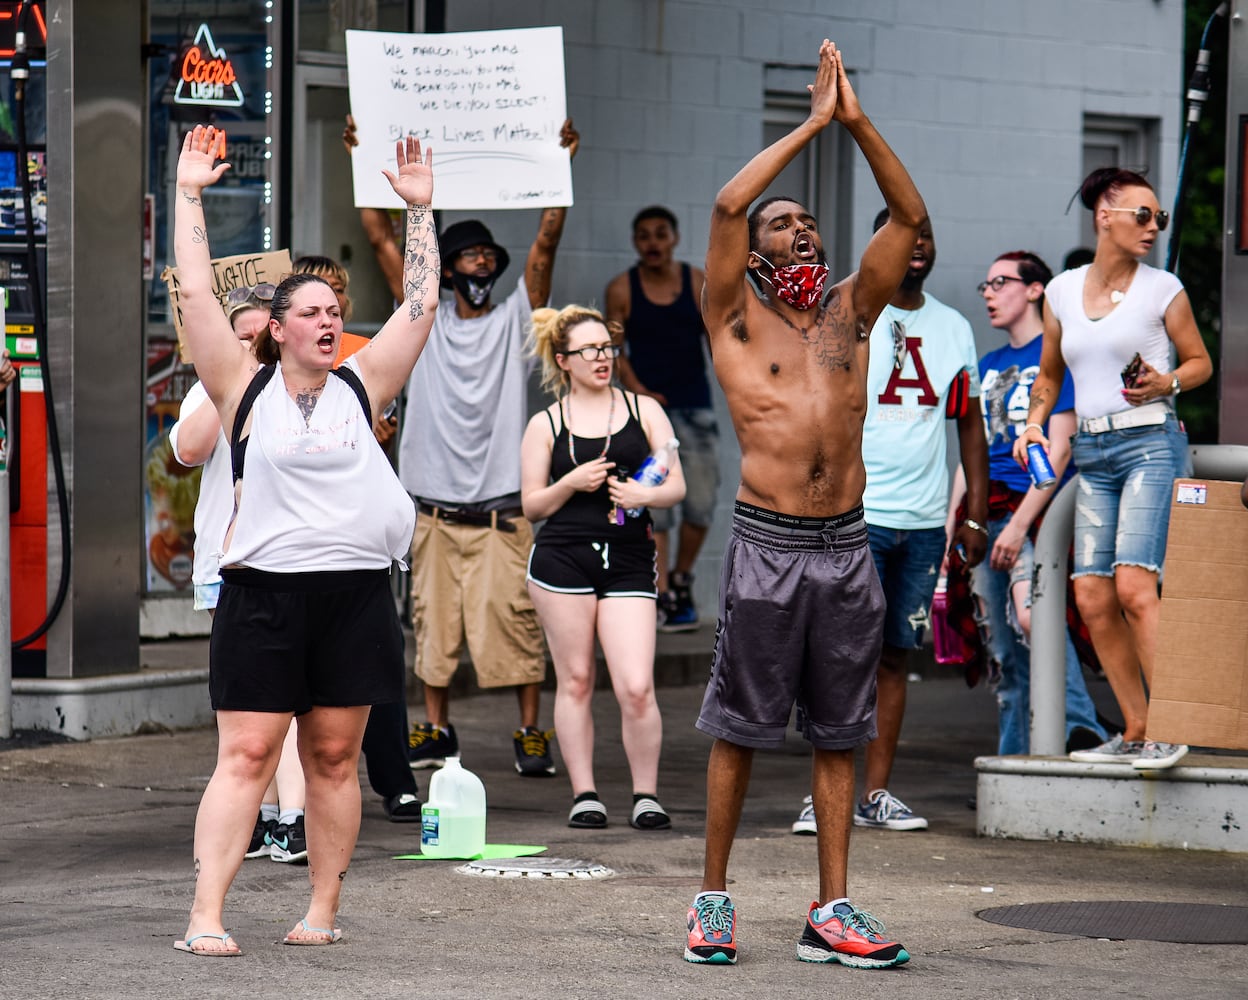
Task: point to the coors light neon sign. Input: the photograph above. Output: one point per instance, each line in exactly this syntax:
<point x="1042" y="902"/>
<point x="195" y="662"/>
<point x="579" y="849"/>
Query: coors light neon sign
<point x="206" y="75"/>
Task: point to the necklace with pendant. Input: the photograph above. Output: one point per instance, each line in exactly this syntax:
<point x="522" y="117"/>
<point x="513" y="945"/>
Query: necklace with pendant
<point x="1116" y="295"/>
<point x="568" y="424"/>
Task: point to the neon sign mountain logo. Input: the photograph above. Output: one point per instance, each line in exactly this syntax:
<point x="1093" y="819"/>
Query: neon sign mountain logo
<point x="206" y="75"/>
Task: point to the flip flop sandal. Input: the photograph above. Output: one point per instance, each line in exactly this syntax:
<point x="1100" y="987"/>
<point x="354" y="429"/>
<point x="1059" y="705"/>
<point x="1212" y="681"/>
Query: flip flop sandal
<point x="649" y="815"/>
<point x="188" y="946"/>
<point x="588" y="814"/>
<point x="333" y="936"/>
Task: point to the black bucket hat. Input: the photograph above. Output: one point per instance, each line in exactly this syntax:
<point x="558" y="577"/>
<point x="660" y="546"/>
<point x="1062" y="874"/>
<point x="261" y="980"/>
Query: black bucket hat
<point x="461" y="236"/>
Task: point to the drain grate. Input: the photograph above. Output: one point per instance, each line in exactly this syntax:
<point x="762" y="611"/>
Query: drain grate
<point x="565" y="868"/>
<point x="1122" y="920"/>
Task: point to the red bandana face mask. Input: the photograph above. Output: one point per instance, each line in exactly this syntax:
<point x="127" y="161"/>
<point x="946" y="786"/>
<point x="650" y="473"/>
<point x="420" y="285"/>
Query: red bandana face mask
<point x="800" y="285"/>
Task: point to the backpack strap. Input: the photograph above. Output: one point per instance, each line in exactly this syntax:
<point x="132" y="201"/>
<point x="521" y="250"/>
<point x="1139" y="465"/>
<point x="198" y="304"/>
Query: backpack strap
<point x="238" y="444"/>
<point x="353" y="380"/>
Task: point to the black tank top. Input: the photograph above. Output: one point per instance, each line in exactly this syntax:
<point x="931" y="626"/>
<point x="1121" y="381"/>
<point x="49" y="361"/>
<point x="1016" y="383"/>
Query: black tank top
<point x="584" y="516"/>
<point x="665" y="344"/>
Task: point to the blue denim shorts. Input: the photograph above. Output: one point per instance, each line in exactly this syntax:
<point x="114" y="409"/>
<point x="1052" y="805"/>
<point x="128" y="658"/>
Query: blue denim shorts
<point x="698" y="435"/>
<point x="908" y="563"/>
<point x="1122" y="510"/>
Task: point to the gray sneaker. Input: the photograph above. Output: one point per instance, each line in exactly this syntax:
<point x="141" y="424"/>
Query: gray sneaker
<point x="805" y="823"/>
<point x="1112" y="751"/>
<point x="1157" y="755"/>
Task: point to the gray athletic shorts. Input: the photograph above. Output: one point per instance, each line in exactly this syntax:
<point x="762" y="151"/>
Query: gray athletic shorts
<point x="801" y="618"/>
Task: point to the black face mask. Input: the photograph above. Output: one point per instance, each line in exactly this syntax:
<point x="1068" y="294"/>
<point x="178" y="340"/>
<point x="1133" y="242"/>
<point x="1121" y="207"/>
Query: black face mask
<point x="475" y="290"/>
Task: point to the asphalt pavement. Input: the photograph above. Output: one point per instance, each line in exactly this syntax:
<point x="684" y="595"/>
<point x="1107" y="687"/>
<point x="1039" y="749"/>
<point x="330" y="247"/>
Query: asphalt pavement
<point x="96" y="878"/>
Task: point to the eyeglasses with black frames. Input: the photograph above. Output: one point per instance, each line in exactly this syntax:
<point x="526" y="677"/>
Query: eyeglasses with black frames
<point x="596" y="352"/>
<point x="997" y="283"/>
<point x="1144" y="215"/>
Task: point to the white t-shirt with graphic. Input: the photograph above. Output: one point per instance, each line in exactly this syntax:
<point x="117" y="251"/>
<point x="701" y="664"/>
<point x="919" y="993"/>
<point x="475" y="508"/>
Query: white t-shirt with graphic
<point x="915" y="356"/>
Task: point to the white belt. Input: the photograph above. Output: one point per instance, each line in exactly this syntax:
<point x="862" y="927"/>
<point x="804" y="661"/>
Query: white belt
<point x="1143" y="416"/>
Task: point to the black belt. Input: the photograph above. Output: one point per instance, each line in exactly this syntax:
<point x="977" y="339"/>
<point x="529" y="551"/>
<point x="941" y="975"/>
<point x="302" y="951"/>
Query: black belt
<point x="501" y="520"/>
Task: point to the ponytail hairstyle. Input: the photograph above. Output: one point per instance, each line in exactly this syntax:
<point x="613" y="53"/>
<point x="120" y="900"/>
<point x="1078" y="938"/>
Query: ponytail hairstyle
<point x="1031" y="268"/>
<point x="1106" y="182"/>
<point x="548" y="337"/>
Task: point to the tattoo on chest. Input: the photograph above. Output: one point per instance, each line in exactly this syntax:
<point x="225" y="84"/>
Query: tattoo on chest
<point x="306" y="399"/>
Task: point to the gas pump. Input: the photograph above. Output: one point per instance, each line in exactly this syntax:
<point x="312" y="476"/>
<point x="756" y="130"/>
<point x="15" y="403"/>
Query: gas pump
<point x="26" y="420"/>
<point x="23" y="276"/>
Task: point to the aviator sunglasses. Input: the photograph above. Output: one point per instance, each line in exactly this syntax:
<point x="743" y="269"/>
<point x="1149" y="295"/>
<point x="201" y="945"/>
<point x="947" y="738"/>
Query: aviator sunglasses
<point x="1144" y="215"/>
<point x="262" y="292"/>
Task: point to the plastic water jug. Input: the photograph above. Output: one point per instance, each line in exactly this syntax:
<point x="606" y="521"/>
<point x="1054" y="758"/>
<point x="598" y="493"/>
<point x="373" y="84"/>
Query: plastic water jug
<point x="452" y="822"/>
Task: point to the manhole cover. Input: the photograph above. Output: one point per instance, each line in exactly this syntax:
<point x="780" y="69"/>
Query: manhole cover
<point x="568" y="868"/>
<point x="1183" y="923"/>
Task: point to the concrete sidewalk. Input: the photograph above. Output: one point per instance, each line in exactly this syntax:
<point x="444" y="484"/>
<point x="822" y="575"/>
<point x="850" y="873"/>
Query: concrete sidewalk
<point x="96" y="880"/>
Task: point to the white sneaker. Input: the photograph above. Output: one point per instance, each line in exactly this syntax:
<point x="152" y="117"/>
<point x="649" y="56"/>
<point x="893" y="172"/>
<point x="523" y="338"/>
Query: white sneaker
<point x="1157" y="755"/>
<point x="1113" y="751"/>
<point x="806" y="818"/>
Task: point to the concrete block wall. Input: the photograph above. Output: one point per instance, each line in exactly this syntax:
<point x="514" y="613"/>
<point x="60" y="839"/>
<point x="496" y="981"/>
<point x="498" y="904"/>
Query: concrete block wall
<point x="984" y="100"/>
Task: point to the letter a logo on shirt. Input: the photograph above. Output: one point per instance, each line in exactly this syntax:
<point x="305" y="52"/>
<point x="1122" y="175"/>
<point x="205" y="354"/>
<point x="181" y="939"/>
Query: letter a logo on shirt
<point x="927" y="397"/>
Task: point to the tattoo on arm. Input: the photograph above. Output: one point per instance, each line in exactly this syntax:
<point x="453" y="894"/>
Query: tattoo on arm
<point x="199" y="234"/>
<point x="1038" y="400"/>
<point x="417" y="261"/>
<point x="190" y="199"/>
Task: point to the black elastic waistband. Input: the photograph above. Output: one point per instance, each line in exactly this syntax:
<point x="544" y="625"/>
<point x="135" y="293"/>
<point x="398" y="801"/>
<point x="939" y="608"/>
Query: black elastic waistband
<point x="328" y="580"/>
<point x="775" y="519"/>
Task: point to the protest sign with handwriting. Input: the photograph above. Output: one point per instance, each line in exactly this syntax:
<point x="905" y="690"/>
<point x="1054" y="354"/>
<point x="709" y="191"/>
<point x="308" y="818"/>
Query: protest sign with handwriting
<point x="243" y="270"/>
<point x="488" y="103"/>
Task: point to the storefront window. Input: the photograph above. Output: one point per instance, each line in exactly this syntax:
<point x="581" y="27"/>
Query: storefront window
<point x="322" y="22"/>
<point x="213" y="63"/>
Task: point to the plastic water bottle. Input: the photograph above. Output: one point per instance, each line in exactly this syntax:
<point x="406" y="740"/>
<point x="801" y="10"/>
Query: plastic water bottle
<point x="654" y="470"/>
<point x="452" y="822"/>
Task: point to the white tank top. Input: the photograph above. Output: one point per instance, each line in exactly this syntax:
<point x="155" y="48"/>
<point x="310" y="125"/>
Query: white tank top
<point x="318" y="495"/>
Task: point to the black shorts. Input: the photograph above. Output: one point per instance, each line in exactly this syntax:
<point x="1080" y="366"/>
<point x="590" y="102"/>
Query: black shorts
<point x="801" y="616"/>
<point x="286" y="642"/>
<point x="603" y="568"/>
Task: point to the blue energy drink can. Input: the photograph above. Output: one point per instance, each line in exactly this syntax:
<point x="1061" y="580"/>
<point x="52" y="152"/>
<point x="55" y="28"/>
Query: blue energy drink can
<point x="1038" y="463"/>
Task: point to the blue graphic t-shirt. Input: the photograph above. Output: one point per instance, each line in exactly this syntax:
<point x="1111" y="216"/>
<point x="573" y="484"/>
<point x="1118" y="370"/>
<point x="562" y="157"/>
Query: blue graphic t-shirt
<point x="1005" y="377"/>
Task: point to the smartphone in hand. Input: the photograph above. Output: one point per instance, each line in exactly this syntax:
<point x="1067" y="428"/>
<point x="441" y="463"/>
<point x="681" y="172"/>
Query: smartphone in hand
<point x="1131" y="371"/>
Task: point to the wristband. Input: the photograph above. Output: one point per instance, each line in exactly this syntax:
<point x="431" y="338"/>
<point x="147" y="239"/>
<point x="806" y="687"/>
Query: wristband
<point x="976" y="526"/>
<point x="1038" y="427"/>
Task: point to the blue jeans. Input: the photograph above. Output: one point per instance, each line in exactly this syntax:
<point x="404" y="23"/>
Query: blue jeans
<point x="1003" y="639"/>
<point x="908" y="562"/>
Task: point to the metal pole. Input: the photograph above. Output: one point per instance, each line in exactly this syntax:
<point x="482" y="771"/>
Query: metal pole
<point x="1048" y="625"/>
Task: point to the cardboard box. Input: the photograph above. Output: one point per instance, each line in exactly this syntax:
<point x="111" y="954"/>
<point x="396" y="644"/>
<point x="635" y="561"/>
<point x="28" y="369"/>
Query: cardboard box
<point x="1200" y="677"/>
